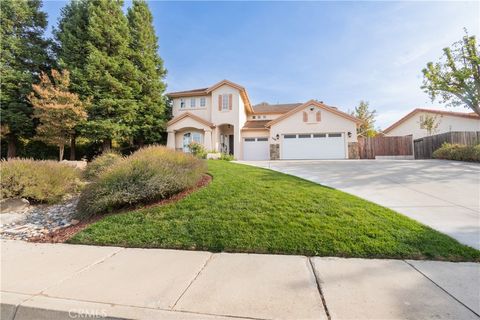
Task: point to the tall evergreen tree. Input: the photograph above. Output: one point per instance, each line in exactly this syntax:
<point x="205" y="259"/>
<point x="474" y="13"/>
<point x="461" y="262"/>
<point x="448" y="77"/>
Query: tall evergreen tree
<point x="110" y="72"/>
<point x="150" y="119"/>
<point x="71" y="38"/>
<point x="23" y="56"/>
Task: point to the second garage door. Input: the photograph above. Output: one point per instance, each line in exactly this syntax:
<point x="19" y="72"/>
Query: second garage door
<point x="313" y="146"/>
<point x="256" y="149"/>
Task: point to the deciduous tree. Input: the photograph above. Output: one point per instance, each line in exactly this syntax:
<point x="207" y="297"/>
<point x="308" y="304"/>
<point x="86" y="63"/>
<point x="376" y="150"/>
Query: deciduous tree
<point x="23" y="56"/>
<point x="362" y="112"/>
<point x="58" y="110"/>
<point x="456" y="79"/>
<point x="429" y="123"/>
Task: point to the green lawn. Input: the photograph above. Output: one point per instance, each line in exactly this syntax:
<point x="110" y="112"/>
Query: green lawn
<point x="247" y="209"/>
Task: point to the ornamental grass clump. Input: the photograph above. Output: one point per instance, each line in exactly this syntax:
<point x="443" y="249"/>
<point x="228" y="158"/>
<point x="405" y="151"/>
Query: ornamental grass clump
<point x="44" y="181"/>
<point x="100" y="164"/>
<point x="150" y="174"/>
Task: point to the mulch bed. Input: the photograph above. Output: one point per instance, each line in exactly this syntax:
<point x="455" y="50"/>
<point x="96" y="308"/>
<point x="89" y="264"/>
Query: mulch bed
<point x="64" y="234"/>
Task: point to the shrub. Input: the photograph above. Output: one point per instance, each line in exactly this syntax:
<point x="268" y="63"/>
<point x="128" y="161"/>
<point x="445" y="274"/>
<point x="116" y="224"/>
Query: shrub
<point x="227" y="157"/>
<point x="198" y="150"/>
<point x="100" y="164"/>
<point x="458" y="152"/>
<point x="41" y="181"/>
<point x="150" y="174"/>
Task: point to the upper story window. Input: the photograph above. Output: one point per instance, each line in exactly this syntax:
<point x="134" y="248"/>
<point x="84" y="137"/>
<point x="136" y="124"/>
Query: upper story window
<point x="203" y="102"/>
<point x="192" y="103"/>
<point x="225" y="102"/>
<point x="182" y="103"/>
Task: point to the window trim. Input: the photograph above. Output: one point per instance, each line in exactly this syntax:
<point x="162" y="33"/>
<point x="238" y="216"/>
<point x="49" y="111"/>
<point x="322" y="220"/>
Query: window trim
<point x="225" y="102"/>
<point x="193" y="102"/>
<point x="203" y="102"/>
<point x="182" y="103"/>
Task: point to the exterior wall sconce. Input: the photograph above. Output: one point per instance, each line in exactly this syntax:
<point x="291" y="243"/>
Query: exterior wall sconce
<point x="349" y="134"/>
<point x="276" y="137"/>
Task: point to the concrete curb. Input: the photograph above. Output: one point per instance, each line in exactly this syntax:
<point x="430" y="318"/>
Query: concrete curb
<point x="21" y="307"/>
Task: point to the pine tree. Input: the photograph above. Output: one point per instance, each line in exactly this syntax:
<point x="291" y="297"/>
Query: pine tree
<point x="71" y="38"/>
<point x="150" y="119"/>
<point x="58" y="110"/>
<point x="111" y="75"/>
<point x="23" y="56"/>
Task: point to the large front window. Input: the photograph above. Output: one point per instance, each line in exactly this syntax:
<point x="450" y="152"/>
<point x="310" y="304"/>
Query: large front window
<point x="190" y="137"/>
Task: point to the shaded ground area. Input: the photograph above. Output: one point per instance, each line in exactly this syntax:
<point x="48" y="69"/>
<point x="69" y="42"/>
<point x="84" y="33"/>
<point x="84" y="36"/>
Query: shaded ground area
<point x="248" y="209"/>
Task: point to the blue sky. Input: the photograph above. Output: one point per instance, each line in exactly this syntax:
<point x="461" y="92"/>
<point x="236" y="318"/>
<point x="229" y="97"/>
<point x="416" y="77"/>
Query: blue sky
<point x="338" y="52"/>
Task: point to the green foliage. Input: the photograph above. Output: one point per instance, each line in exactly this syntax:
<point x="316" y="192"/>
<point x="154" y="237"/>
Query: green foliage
<point x="198" y="150"/>
<point x="456" y="80"/>
<point x="248" y="209"/>
<point x="227" y="157"/>
<point x="110" y="72"/>
<point x="71" y="39"/>
<point x="429" y="123"/>
<point x="42" y="181"/>
<point x="100" y="164"/>
<point x="458" y="152"/>
<point x="150" y="119"/>
<point x="23" y="56"/>
<point x="150" y="174"/>
<point x="362" y="112"/>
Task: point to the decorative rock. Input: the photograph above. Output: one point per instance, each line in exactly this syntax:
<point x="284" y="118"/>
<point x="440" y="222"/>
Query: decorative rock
<point x="74" y="222"/>
<point x="14" y="205"/>
<point x="40" y="220"/>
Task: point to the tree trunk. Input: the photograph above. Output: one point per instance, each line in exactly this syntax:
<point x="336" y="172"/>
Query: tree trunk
<point x="61" y="149"/>
<point x="140" y="142"/>
<point x="107" y="145"/>
<point x="12" y="146"/>
<point x="73" y="140"/>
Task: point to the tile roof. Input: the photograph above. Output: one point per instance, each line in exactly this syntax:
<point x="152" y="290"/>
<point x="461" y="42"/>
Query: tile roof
<point x="274" y="108"/>
<point x="259" y="124"/>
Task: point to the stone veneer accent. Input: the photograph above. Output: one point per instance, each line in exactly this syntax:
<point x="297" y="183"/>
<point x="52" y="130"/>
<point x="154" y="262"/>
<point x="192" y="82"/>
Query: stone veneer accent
<point x="353" y="150"/>
<point x="274" y="151"/>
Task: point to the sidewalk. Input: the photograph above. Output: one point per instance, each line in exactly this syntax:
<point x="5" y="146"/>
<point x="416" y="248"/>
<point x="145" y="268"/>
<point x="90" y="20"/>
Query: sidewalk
<point x="59" y="281"/>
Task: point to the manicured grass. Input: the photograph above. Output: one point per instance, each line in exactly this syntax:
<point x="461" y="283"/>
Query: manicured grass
<point x="247" y="209"/>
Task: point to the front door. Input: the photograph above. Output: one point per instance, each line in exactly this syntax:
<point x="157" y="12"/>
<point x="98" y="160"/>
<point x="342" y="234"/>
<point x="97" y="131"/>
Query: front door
<point x="230" y="144"/>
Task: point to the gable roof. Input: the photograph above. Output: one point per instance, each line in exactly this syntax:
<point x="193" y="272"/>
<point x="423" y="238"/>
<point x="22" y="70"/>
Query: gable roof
<point x="190" y="115"/>
<point x="317" y="104"/>
<point x="471" y="115"/>
<point x="274" y="108"/>
<point x="207" y="91"/>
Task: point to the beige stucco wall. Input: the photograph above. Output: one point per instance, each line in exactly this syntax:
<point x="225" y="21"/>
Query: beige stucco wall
<point x="330" y="123"/>
<point x="263" y="116"/>
<point x="446" y="124"/>
<point x="255" y="133"/>
<point x="202" y="112"/>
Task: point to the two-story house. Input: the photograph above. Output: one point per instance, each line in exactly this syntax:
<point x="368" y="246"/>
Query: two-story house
<point x="222" y="119"/>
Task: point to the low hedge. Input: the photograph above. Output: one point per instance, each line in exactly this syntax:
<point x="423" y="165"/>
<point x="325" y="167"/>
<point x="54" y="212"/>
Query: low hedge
<point x="148" y="175"/>
<point x="100" y="164"/>
<point x="40" y="181"/>
<point x="458" y="152"/>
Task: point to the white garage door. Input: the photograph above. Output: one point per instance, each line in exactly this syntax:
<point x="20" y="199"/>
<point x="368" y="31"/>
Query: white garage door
<point x="256" y="149"/>
<point x="313" y="146"/>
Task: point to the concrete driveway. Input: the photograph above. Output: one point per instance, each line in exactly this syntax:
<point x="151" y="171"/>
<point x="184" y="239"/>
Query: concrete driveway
<point x="444" y="195"/>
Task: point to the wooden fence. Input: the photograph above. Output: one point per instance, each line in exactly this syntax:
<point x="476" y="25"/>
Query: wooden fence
<point x="424" y="147"/>
<point x="369" y="148"/>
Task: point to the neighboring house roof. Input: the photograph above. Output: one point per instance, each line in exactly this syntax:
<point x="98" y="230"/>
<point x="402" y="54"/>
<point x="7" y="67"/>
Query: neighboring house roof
<point x="190" y="115"/>
<point x="274" y="108"/>
<point x="470" y="115"/>
<point x="317" y="104"/>
<point x="255" y="125"/>
<point x="206" y="91"/>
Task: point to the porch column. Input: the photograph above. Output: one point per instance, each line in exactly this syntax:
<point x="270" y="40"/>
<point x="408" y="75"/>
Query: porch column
<point x="207" y="140"/>
<point x="171" y="139"/>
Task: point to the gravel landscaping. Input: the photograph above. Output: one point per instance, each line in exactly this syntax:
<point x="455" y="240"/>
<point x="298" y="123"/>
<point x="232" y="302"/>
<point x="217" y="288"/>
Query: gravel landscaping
<point x="37" y="221"/>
